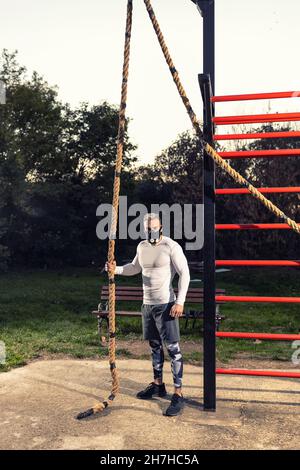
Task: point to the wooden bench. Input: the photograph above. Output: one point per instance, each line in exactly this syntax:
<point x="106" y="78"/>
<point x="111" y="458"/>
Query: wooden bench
<point x="135" y="294"/>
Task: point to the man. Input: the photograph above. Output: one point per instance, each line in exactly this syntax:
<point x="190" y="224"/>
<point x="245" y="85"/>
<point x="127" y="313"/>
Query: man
<point x="158" y="258"/>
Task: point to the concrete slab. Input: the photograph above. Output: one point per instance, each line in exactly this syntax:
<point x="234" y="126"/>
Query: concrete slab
<point x="38" y="404"/>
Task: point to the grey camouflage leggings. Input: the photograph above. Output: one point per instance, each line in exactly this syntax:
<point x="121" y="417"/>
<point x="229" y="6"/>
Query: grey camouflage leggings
<point x="158" y="360"/>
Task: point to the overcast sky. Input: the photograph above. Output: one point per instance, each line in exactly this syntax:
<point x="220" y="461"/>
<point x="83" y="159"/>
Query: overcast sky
<point x="78" y="45"/>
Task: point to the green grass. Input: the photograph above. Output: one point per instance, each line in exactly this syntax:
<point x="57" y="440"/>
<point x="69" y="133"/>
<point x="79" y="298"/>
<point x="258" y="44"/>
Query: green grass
<point x="48" y="312"/>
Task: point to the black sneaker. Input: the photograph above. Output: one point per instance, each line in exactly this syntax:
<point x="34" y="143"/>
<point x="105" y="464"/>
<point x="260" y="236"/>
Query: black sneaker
<point x="151" y="390"/>
<point x="176" y="406"/>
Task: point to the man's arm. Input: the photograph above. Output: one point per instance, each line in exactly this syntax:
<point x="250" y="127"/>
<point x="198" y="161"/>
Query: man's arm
<point x="181" y="266"/>
<point x="130" y="269"/>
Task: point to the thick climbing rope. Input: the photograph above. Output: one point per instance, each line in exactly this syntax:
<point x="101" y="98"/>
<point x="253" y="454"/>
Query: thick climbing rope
<point x="208" y="148"/>
<point x="114" y="221"/>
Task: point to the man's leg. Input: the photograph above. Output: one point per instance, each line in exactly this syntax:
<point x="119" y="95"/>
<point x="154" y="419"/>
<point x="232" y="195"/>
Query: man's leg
<point x="177" y="401"/>
<point x="157" y="352"/>
<point x="168" y="328"/>
<point x="157" y="387"/>
<point x="176" y="365"/>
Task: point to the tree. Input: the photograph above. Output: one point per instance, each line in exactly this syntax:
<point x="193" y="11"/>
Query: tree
<point x="56" y="166"/>
<point x="179" y="168"/>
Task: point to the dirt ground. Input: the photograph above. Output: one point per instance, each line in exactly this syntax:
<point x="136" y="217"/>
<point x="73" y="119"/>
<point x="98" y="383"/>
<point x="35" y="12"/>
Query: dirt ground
<point x="38" y="404"/>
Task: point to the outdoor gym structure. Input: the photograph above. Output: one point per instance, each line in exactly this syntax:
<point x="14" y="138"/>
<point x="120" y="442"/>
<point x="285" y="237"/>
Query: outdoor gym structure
<point x="207" y="138"/>
<point x="207" y="84"/>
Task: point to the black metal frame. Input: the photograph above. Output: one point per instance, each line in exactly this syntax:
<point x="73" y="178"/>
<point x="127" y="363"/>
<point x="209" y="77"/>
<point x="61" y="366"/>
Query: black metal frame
<point x="207" y="85"/>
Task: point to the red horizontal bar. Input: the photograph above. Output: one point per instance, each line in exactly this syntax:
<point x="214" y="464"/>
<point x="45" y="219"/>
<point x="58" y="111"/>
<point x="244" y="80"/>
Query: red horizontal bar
<point x="258" y="135"/>
<point x="253" y="226"/>
<point x="238" y="298"/>
<point x="256" y="96"/>
<point x="296" y="189"/>
<point x="256" y="118"/>
<point x="261" y="153"/>
<point x="263" y="336"/>
<point x="257" y="263"/>
<point x="259" y="373"/>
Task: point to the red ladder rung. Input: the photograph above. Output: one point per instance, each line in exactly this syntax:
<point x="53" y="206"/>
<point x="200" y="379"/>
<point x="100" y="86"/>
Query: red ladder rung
<point x="256" y="118"/>
<point x="259" y="373"/>
<point x="253" y="227"/>
<point x="258" y="135"/>
<point x="257" y="263"/>
<point x="261" y="153"/>
<point x="255" y="96"/>
<point x="295" y="189"/>
<point x="261" y="336"/>
<point x="239" y="298"/>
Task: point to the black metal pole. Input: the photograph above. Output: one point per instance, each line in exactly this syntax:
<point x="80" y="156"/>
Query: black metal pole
<point x="207" y="84"/>
<point x="207" y="11"/>
<point x="209" y="281"/>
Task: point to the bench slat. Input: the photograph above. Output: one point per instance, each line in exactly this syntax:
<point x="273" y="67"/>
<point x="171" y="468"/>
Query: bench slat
<point x="124" y="313"/>
<point x="139" y="291"/>
<point x="140" y="299"/>
<point x="136" y="288"/>
<point x="140" y="294"/>
<point x="135" y="293"/>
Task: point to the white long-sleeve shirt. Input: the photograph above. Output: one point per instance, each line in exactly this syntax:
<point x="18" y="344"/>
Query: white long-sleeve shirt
<point x="158" y="265"/>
